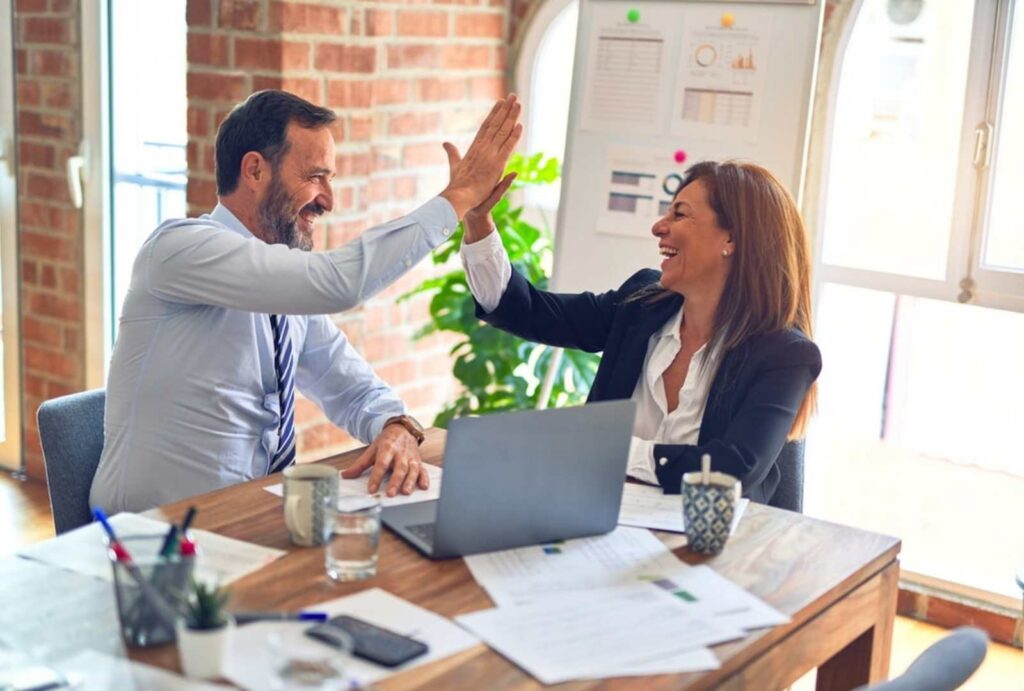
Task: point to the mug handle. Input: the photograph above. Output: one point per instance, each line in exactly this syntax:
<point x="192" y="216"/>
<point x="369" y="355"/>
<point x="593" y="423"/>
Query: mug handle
<point x="291" y="516"/>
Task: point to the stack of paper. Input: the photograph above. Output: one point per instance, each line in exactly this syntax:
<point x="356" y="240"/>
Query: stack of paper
<point x="615" y="605"/>
<point x="83" y="550"/>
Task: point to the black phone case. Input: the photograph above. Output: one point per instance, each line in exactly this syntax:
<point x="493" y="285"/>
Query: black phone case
<point x="371" y="642"/>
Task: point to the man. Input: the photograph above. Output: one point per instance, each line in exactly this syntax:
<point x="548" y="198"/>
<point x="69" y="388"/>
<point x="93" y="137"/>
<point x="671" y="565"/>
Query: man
<point x="224" y="315"/>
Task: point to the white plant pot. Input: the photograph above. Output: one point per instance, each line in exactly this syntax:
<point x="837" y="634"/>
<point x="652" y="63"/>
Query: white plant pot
<point x="204" y="652"/>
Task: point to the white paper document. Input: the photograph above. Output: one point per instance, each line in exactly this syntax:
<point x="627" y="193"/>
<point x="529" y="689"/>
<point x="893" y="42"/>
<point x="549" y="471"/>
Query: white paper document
<point x="357" y="487"/>
<point x="626" y="630"/>
<point x="84" y="550"/>
<point x="623" y="556"/>
<point x="260" y="650"/>
<point x="93" y="671"/>
<point x="644" y="506"/>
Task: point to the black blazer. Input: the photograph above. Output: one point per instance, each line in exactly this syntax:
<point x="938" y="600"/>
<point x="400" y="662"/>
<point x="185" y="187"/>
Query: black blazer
<point x="753" y="398"/>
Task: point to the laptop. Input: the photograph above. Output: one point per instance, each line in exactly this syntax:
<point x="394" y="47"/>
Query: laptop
<point x="524" y="478"/>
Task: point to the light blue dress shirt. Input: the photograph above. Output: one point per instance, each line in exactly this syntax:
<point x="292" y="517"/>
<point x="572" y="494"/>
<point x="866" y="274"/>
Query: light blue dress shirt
<point x="192" y="399"/>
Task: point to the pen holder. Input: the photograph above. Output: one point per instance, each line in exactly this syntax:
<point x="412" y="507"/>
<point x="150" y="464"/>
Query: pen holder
<point x="147" y="612"/>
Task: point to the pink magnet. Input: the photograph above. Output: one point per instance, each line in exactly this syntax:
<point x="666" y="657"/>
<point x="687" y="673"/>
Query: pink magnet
<point x="680" y="156"/>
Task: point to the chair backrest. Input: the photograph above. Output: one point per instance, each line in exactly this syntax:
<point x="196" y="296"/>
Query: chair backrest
<point x="944" y="666"/>
<point x="71" y="432"/>
<point x="789" y="494"/>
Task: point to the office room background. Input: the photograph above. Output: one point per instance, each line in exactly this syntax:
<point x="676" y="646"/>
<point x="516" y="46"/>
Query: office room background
<point x="109" y="108"/>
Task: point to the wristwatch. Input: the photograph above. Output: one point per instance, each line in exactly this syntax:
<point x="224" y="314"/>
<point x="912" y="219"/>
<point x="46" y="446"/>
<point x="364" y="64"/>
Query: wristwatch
<point x="411" y="424"/>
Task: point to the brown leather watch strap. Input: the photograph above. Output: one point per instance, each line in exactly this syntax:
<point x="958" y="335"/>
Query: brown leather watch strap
<point x="410" y="424"/>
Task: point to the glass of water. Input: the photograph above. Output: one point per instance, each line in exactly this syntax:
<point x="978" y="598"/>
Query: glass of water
<point x="350" y="552"/>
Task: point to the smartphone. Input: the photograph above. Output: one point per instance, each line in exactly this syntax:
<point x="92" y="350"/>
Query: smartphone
<point x="368" y="641"/>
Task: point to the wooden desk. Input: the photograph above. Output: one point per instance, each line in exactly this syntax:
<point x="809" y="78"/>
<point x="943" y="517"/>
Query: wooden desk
<point x="838" y="584"/>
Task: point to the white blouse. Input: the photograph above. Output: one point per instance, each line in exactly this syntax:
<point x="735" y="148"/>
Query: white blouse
<point x="488" y="272"/>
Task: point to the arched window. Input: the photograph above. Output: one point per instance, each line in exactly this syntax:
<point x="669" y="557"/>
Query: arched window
<point x="543" y="78"/>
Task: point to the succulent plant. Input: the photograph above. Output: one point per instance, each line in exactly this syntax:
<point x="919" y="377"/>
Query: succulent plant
<point x="205" y="609"/>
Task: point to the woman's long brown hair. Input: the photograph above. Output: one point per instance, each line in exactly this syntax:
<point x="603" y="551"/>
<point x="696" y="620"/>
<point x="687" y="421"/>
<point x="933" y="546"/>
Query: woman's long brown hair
<point x="769" y="286"/>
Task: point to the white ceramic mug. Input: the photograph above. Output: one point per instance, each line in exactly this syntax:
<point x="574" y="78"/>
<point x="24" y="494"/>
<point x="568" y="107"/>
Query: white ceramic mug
<point x="309" y="492"/>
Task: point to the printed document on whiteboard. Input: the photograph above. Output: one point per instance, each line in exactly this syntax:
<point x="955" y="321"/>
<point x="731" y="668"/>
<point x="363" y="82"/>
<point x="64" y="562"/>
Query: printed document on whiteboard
<point x="628" y="69"/>
<point x="720" y="84"/>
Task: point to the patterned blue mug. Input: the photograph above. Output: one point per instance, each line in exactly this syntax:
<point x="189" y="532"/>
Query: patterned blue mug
<point x="708" y="510"/>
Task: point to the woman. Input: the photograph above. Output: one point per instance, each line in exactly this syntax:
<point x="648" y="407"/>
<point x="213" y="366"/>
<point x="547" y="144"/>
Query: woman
<point x="715" y="349"/>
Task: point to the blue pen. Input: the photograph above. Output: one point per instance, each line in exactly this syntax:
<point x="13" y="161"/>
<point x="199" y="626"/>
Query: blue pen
<point x="246" y="617"/>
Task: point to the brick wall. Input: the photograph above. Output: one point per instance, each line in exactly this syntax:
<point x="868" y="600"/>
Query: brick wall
<point x="49" y="119"/>
<point x="402" y="77"/>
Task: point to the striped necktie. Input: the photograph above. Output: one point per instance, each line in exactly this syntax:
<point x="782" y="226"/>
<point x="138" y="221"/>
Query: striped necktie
<point x="285" y="365"/>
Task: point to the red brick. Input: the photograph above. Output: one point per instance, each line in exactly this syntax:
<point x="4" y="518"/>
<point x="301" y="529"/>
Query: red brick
<point x="307" y="88"/>
<point x="57" y="364"/>
<point x="49" y="63"/>
<point x="407" y="124"/>
<point x="271" y="54"/>
<point x="378" y="23"/>
<point x="390" y="92"/>
<point x="418" y="396"/>
<point x="414" y="56"/>
<point x="58" y="307"/>
<point x="34" y="386"/>
<point x="349" y="93"/>
<point x="28" y="93"/>
<point x="342" y="58"/>
<point x="21" y="61"/>
<point x="460" y="57"/>
<point x="480" y="25"/>
<point x="360" y="128"/>
<point x="352" y="165"/>
<point x="240" y="14"/>
<point x="62" y="6"/>
<point x="490" y="88"/>
<point x="45" y="30"/>
<point x="307" y="19"/>
<point x="379" y="190"/>
<point x="201" y="194"/>
<point x="405" y="187"/>
<point x="198" y="121"/>
<point x="208" y="86"/>
<point x="48" y="187"/>
<point x="23" y="6"/>
<point x="29" y="271"/>
<point x="48" y="277"/>
<point x="398" y="373"/>
<point x="412" y="23"/>
<point x="44" y="125"/>
<point x="198" y="13"/>
<point x="208" y="49"/>
<point x="37" y="155"/>
<point x="500" y="58"/>
<point x="435" y="89"/>
<point x="414" y="155"/>
<point x="58" y="95"/>
<point x="47" y="246"/>
<point x="70" y="281"/>
<point x="44" y="333"/>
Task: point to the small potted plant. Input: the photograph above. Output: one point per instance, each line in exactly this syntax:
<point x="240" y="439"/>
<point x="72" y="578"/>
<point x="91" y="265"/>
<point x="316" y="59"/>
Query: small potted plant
<point x="204" y="633"/>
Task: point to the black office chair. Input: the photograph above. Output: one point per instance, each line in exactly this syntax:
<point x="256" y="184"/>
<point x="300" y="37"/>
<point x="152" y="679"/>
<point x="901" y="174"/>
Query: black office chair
<point x="789" y="495"/>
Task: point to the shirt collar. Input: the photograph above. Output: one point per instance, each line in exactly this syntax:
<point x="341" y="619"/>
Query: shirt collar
<point x="670" y="329"/>
<point x="223" y="215"/>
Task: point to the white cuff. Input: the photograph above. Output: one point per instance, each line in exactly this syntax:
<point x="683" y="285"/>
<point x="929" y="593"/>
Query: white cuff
<point x="488" y="269"/>
<point x="641" y="461"/>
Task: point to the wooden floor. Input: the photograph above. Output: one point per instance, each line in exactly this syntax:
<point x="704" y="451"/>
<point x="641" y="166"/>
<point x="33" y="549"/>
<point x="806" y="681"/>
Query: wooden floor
<point x="25" y="517"/>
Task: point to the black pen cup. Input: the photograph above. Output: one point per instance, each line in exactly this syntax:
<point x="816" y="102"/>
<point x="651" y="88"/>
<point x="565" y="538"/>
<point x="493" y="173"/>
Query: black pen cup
<point x="151" y="593"/>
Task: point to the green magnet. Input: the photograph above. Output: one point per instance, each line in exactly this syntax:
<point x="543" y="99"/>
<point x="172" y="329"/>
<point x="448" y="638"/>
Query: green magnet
<point x="633" y="16"/>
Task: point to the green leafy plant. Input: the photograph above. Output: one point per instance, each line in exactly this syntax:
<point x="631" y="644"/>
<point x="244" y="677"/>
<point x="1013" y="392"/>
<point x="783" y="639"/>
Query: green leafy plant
<point x="497" y="370"/>
<point x="205" y="607"/>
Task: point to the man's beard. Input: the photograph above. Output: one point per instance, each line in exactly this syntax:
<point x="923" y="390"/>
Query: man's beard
<point x="280" y="222"/>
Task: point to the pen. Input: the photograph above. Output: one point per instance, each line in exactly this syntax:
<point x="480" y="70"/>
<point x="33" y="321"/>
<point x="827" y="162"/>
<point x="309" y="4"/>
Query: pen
<point x="246" y="617"/>
<point x="170" y="542"/>
<point x="149" y="593"/>
<point x="185" y="545"/>
<point x="189" y="515"/>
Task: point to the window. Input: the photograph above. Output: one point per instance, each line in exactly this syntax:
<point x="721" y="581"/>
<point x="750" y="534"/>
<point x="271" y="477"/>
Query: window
<point x="921" y="289"/>
<point x="10" y="377"/>
<point x="544" y="81"/>
<point x="134" y="72"/>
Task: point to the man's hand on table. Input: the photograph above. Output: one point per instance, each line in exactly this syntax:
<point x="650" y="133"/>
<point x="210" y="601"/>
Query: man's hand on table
<point x="395" y="450"/>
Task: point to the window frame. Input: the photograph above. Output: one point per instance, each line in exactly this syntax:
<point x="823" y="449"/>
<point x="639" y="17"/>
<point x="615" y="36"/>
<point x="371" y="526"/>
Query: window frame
<point x="965" y="280"/>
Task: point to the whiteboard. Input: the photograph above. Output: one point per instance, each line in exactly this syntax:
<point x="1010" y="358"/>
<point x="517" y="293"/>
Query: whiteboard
<point x="663" y="84"/>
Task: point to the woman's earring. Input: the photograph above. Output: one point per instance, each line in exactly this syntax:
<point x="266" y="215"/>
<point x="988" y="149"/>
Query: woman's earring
<point x="725" y="253"/>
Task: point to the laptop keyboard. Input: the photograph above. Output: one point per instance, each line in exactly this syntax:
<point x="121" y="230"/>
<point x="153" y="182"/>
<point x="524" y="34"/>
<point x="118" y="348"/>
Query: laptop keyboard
<point x="424" y="531"/>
